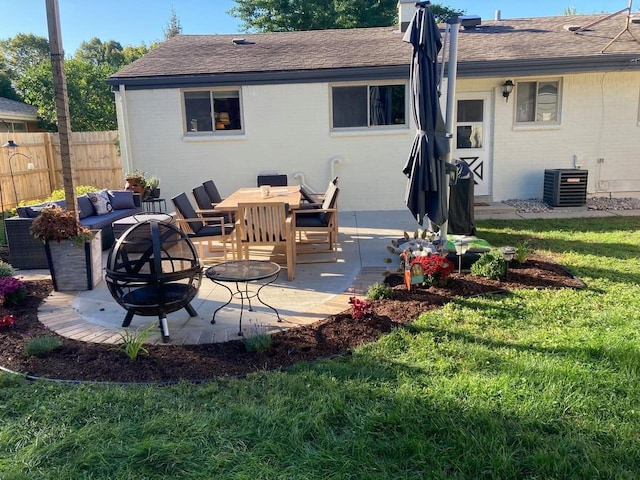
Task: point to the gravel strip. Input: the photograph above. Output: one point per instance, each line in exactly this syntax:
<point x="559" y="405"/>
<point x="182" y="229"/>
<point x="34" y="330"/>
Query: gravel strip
<point x="536" y="205"/>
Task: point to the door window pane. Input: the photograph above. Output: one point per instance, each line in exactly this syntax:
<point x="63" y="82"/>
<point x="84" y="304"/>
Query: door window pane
<point x="469" y="136"/>
<point x="470" y="111"/>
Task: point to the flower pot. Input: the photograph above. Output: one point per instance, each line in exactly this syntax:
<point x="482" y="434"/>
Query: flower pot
<point x="155" y="193"/>
<point x="136" y="184"/>
<point x="75" y="267"/>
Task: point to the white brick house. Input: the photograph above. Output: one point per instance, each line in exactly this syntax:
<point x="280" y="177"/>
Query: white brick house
<point x="299" y="103"/>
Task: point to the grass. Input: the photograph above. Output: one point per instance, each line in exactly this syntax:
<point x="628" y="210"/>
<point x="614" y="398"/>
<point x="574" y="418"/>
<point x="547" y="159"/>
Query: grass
<point x="534" y="384"/>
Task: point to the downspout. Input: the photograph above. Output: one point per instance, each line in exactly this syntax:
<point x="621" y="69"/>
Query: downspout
<point x="333" y="161"/>
<point x="453" y="24"/>
<point x="123" y="129"/>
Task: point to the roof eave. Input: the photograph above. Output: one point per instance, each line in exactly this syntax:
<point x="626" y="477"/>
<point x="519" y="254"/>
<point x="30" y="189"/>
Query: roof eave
<point x="262" y="78"/>
<point x="546" y="66"/>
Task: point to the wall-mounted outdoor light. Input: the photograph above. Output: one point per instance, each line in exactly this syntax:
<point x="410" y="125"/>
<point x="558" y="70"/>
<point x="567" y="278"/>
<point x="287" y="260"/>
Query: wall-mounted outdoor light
<point x="507" y="88"/>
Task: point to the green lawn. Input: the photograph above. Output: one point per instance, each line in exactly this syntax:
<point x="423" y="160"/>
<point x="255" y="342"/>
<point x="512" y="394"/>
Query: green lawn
<point x="534" y="384"/>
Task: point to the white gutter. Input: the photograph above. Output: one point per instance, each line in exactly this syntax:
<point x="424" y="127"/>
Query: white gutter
<point x="123" y="129"/>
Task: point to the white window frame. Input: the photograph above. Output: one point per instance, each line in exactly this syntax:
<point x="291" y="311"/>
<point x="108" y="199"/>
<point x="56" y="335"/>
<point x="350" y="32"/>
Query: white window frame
<point x="536" y="122"/>
<point x="214" y="131"/>
<point x="370" y="127"/>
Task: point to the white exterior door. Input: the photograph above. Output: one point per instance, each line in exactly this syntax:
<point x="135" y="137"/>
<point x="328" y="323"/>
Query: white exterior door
<point x="472" y="137"/>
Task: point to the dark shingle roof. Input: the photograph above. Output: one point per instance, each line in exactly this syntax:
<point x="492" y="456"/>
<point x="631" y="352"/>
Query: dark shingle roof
<point x="14" y="109"/>
<point x="510" y="44"/>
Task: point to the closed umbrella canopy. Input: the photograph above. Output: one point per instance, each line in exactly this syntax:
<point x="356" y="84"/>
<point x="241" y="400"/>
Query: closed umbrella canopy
<point x="426" y="194"/>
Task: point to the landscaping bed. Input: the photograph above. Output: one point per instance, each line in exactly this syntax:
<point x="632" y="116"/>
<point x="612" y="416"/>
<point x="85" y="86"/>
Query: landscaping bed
<point x="335" y="335"/>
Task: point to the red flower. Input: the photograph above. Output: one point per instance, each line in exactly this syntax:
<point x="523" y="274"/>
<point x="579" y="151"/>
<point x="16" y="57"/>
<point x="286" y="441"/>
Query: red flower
<point x="7" y="321"/>
<point x="435" y="267"/>
<point x="360" y="308"/>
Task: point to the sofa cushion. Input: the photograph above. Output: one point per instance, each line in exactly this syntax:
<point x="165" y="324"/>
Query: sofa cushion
<point x="101" y="202"/>
<point x="121" y="199"/>
<point x="85" y="207"/>
<point x="104" y="221"/>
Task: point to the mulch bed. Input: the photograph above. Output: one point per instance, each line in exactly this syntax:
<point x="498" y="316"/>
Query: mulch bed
<point x="335" y="335"/>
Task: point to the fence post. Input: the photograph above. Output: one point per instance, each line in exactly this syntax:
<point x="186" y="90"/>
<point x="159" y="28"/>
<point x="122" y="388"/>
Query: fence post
<point x="51" y="162"/>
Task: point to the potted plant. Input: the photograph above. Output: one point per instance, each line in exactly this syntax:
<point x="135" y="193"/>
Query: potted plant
<point x="153" y="187"/>
<point x="135" y="181"/>
<point x="74" y="253"/>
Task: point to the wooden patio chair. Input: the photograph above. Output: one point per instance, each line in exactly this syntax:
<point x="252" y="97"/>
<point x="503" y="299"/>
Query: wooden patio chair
<point x="318" y="227"/>
<point x="201" y="230"/>
<point x="260" y="224"/>
<point x="206" y="206"/>
<point x="314" y="200"/>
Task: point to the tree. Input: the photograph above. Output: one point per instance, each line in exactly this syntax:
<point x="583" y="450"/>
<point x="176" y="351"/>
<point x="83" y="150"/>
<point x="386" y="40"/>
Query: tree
<point x="173" y="26"/>
<point x="6" y="89"/>
<point x="22" y="52"/>
<point x="295" y="15"/>
<point x="97" y="52"/>
<point x="91" y="104"/>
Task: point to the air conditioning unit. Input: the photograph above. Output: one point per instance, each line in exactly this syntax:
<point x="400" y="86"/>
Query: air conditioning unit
<point x="565" y="187"/>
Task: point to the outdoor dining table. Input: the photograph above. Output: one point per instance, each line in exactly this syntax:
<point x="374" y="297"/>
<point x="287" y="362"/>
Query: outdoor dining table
<point x="289" y="194"/>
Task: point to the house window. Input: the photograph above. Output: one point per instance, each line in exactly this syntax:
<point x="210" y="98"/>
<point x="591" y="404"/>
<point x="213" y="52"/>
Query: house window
<point x="537" y="102"/>
<point x="368" y="106"/>
<point x="12" y="126"/>
<point x="212" y="110"/>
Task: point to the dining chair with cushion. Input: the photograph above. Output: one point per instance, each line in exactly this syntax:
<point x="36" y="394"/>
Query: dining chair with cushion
<point x="266" y="224"/>
<point x="205" y="206"/>
<point x="279" y="180"/>
<point x="212" y="191"/>
<point x="318" y="227"/>
<point x="201" y="230"/>
<point x="314" y="200"/>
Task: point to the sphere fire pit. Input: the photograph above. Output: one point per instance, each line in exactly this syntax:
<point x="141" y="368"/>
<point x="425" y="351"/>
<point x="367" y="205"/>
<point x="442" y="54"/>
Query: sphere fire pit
<point x="153" y="270"/>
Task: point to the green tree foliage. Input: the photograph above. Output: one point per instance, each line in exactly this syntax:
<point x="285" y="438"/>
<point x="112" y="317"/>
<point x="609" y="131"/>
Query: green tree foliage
<point x="91" y="104"/>
<point x="295" y="15"/>
<point x="21" y="53"/>
<point x="6" y="89"/>
<point x="97" y="52"/>
<point x="173" y="26"/>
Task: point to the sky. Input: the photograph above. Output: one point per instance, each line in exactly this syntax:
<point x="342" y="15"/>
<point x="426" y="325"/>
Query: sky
<point x="133" y="22"/>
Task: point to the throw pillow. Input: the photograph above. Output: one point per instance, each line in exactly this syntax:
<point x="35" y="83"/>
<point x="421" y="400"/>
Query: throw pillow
<point x="85" y="207"/>
<point x="100" y="201"/>
<point x="121" y="199"/>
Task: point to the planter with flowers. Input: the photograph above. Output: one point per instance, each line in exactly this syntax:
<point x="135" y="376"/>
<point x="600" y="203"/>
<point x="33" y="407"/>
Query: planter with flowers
<point x="74" y="253"/>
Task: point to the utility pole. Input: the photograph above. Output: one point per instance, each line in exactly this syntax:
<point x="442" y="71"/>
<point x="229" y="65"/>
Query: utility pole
<point x="62" y="105"/>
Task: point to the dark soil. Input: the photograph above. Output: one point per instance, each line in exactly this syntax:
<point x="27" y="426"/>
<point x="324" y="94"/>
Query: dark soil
<point x="335" y="335"/>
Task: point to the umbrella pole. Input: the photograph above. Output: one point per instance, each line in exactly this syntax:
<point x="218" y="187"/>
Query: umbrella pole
<point x="453" y="25"/>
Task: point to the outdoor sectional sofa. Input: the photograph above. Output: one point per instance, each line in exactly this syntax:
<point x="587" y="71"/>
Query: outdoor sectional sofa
<point x="27" y="252"/>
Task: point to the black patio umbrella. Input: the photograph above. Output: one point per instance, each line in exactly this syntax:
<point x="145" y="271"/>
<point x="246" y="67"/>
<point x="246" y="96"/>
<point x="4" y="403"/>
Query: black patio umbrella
<point x="426" y="194"/>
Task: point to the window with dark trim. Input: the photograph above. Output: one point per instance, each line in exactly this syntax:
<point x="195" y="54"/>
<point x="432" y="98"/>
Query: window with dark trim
<point x="538" y="102"/>
<point x="363" y="106"/>
<point x="212" y="111"/>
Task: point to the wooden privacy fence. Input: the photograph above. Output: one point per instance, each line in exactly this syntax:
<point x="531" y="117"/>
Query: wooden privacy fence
<point x="37" y="166"/>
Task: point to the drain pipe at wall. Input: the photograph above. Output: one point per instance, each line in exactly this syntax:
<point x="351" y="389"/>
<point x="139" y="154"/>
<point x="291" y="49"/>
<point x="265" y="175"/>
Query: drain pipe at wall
<point x="333" y="161"/>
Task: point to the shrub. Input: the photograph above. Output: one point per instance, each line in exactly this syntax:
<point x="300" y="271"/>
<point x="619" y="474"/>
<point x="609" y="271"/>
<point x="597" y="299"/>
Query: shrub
<point x="42" y="346"/>
<point x="12" y="291"/>
<point x="379" y="291"/>
<point x="491" y="265"/>
<point x="523" y="250"/>
<point x="132" y="342"/>
<point x="260" y="342"/>
<point x="80" y="190"/>
<point x="6" y="270"/>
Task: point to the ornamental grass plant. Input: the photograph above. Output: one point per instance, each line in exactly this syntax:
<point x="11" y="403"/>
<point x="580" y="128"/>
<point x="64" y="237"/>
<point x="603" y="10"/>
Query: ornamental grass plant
<point x="531" y="384"/>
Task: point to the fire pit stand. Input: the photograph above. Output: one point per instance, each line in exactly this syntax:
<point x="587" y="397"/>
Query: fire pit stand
<point x="153" y="270"/>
